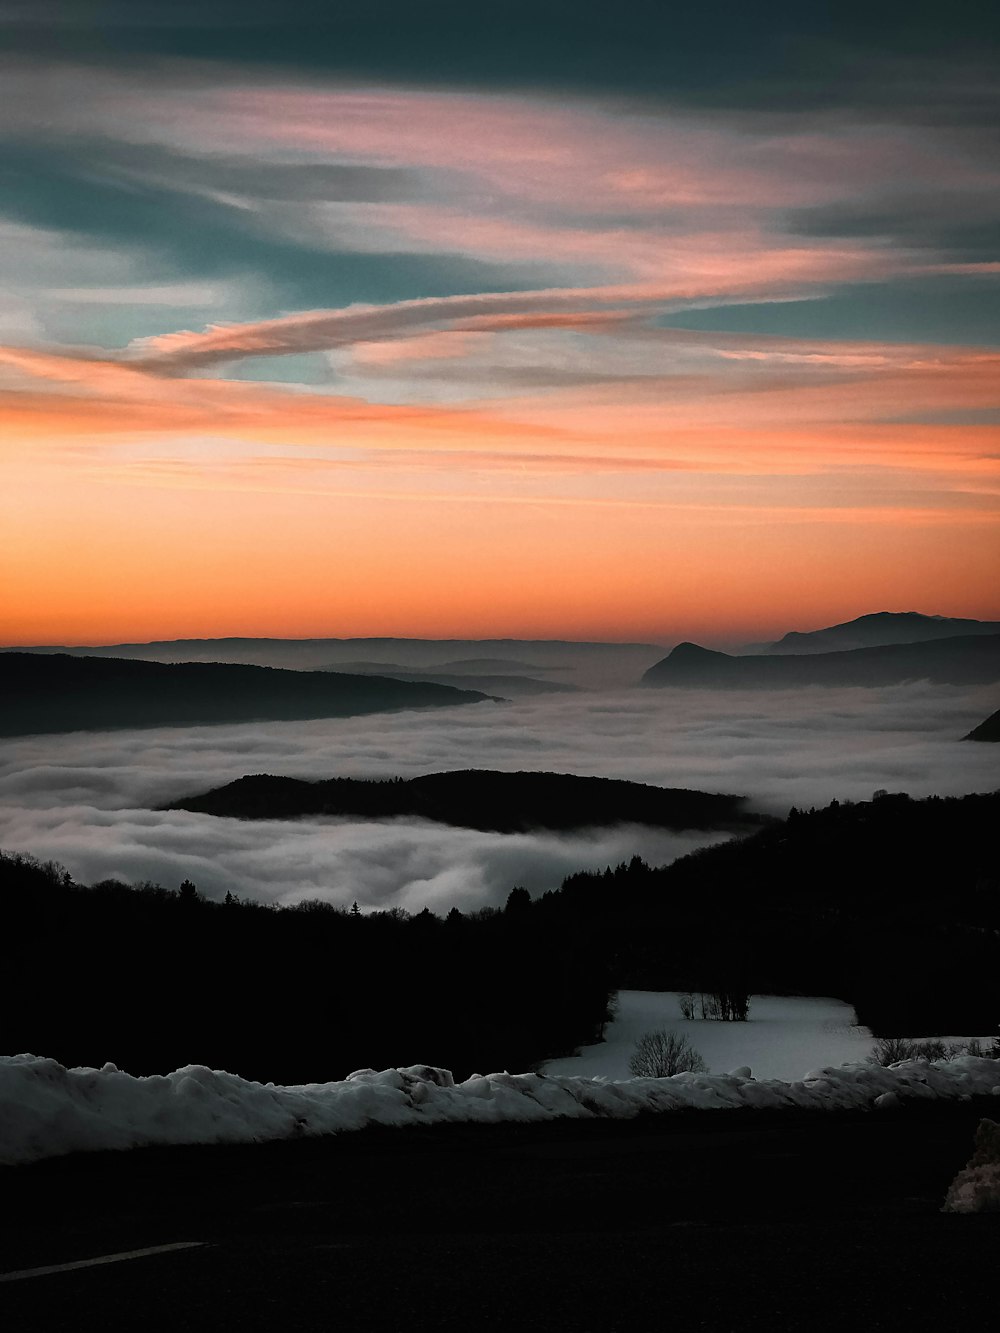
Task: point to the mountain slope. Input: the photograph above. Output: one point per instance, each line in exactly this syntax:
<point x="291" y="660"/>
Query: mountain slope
<point x="989" y="730"/>
<point x="878" y="630"/>
<point x="474" y="798"/>
<point x="964" y="660"/>
<point x="591" y="664"/>
<point x="57" y="692"/>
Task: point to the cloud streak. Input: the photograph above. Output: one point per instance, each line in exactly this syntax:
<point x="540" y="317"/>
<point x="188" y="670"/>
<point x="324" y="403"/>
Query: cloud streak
<point x="244" y="297"/>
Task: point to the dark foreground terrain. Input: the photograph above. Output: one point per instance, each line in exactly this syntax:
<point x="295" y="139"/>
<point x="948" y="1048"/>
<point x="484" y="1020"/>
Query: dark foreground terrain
<point x="724" y="1220"/>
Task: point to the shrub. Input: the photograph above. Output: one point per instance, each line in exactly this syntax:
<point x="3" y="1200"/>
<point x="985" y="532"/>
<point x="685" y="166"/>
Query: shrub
<point x="661" y="1053"/>
<point x="891" y="1050"/>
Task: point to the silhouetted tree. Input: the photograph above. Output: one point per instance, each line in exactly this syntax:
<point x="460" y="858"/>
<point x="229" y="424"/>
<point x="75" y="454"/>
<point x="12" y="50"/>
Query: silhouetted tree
<point x="663" y="1053"/>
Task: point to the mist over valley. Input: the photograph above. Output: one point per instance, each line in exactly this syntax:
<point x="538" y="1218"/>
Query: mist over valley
<point x="87" y="799"/>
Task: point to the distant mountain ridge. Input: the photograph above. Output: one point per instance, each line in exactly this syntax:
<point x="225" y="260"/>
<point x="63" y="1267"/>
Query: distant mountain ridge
<point x="475" y="798"/>
<point x="988" y="730"/>
<point x="42" y="692"/>
<point x="961" y="660"/>
<point x="878" y="630"/>
<point x="577" y="662"/>
<point x="509" y="686"/>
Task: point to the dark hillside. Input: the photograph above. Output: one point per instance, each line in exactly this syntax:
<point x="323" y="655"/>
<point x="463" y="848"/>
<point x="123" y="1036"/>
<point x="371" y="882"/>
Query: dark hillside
<point x="881" y="627"/>
<point x="153" y="979"/>
<point x="892" y="904"/>
<point x="964" y="660"/>
<point x="475" y="798"/>
<point x="989" y="730"/>
<point x="57" y="692"/>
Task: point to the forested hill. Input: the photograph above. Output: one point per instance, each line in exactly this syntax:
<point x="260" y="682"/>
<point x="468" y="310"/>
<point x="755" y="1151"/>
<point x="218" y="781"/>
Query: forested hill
<point x="475" y="798"/>
<point x="964" y="660"/>
<point x="153" y="979"/>
<point x="892" y="904"/>
<point x="58" y="692"/>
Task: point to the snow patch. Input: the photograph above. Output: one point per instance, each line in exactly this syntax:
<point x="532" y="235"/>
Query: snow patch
<point x="976" y="1189"/>
<point x="784" y="1036"/>
<point x="47" y="1110"/>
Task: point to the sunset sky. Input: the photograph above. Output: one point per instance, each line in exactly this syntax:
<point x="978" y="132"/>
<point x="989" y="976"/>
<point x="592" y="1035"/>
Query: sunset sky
<point x="626" y="321"/>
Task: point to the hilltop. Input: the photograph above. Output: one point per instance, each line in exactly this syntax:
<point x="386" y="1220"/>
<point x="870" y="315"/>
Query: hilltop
<point x="475" y="798"/>
<point x="877" y="630"/>
<point x="52" y="693"/>
<point x="971" y="659"/>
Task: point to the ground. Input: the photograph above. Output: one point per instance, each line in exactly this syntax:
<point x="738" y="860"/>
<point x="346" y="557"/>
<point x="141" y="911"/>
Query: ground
<point x="711" y="1220"/>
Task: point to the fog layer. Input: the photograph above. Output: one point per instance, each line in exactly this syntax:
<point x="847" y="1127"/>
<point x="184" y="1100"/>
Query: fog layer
<point x="83" y="799"/>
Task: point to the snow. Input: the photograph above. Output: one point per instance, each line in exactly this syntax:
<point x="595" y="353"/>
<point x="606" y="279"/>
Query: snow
<point x="47" y="1110"/>
<point x="976" y="1189"/>
<point x="784" y="1036"/>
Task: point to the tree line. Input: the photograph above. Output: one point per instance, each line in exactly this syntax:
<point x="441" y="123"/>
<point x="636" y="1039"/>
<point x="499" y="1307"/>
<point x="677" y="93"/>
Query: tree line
<point x="892" y="905"/>
<point x="151" y="979"/>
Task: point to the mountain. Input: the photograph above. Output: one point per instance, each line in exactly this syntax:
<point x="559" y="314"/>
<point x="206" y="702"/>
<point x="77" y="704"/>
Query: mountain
<point x="474" y="798"/>
<point x="986" y="731"/>
<point x="878" y="630"/>
<point x="58" y="692"/>
<point x="511" y="687"/>
<point x="591" y="665"/>
<point x="963" y="660"/>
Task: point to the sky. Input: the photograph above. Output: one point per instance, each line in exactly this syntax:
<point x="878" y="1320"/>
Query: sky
<point x="632" y="321"/>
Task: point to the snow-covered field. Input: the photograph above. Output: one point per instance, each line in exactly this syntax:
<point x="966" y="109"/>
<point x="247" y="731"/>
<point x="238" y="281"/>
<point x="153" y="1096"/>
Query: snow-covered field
<point x="783" y="1037"/>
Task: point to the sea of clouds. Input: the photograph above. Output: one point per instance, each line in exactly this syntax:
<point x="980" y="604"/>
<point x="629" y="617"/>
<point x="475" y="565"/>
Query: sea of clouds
<point x="85" y="799"/>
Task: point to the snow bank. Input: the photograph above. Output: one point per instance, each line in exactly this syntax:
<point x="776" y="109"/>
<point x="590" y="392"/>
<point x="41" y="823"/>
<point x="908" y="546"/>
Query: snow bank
<point x="47" y="1110"/>
<point x="976" y="1189"/>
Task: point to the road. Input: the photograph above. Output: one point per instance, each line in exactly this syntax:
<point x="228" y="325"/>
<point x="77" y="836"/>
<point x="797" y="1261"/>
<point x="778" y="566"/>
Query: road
<point x="719" y="1220"/>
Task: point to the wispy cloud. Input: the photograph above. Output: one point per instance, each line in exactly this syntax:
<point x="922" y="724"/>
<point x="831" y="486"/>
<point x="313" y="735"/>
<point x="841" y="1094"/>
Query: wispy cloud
<point x="323" y="304"/>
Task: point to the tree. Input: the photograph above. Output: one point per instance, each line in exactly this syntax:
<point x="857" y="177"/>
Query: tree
<point x="662" y="1053"/>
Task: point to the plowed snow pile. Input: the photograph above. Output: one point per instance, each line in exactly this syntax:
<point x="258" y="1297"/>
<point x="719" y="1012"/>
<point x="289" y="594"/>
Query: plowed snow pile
<point x="47" y="1110"/>
<point x="976" y="1189"/>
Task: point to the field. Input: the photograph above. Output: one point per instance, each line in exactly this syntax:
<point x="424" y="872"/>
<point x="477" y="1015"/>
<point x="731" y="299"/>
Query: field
<point x="786" y="1036"/>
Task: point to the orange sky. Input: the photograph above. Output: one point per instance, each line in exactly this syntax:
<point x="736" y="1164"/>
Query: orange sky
<point x="687" y="513"/>
<point x="639" y="426"/>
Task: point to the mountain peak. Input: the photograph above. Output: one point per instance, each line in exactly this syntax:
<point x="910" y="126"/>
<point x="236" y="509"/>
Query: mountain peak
<point x="690" y="652"/>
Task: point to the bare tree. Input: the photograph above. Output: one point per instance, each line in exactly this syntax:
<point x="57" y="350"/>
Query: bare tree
<point x="661" y="1053"/>
<point x="727" y="1006"/>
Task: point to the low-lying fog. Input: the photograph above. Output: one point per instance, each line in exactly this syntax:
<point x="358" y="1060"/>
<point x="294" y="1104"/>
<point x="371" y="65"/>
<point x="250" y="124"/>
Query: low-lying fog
<point x="83" y="799"/>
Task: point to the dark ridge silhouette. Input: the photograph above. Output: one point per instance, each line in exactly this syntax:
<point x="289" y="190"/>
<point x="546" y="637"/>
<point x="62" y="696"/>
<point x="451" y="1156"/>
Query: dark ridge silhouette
<point x="585" y="663"/>
<point x="891" y="904"/>
<point x="878" y="630"/>
<point x="467" y="666"/>
<point x="989" y="730"/>
<point x="971" y="659"/>
<point x="475" y="798"/>
<point x="51" y="693"/>
<point x="508" y="686"/>
<point x="153" y="979"/>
